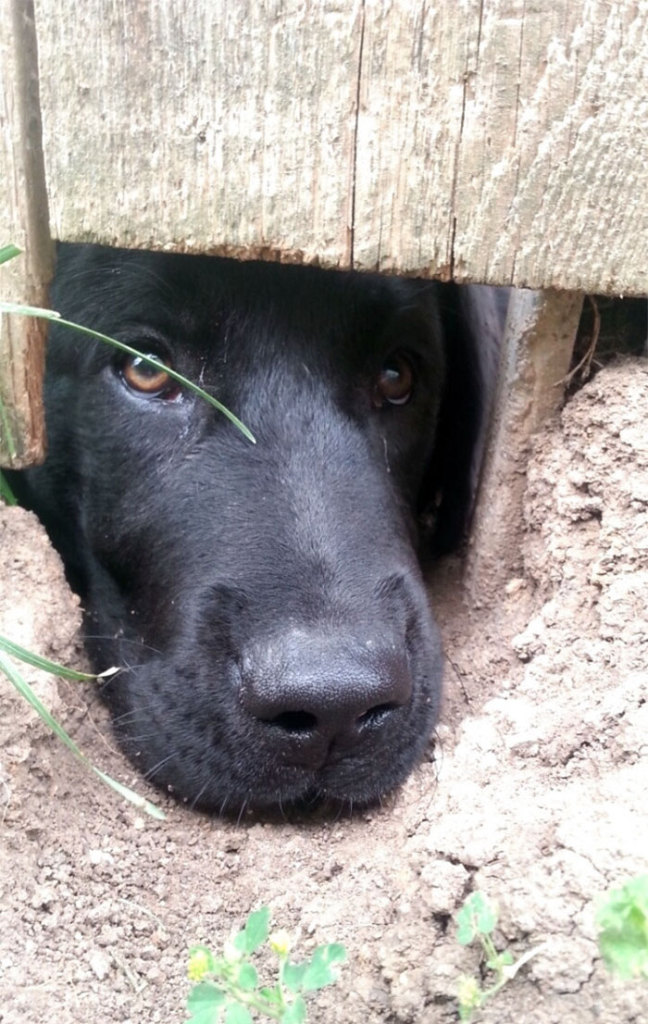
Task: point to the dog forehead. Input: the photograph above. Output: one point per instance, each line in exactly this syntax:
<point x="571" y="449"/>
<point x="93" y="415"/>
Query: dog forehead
<point x="224" y="311"/>
<point x="274" y="309"/>
<point x="143" y="278"/>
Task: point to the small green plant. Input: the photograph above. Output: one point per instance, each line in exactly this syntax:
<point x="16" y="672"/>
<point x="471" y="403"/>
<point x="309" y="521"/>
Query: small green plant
<point x="227" y="988"/>
<point x="623" y="920"/>
<point x="477" y="920"/>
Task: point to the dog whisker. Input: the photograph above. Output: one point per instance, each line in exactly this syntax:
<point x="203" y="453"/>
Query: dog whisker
<point x="242" y="810"/>
<point x="195" y="802"/>
<point x="150" y="772"/>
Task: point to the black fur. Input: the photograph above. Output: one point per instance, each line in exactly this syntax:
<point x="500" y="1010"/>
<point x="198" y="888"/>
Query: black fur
<point x="265" y="601"/>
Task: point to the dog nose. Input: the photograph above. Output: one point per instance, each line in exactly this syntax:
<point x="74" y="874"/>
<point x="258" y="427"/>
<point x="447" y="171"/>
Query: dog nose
<point x="318" y="697"/>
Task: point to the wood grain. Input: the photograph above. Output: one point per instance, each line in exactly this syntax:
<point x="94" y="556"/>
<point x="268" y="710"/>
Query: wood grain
<point x="495" y="140"/>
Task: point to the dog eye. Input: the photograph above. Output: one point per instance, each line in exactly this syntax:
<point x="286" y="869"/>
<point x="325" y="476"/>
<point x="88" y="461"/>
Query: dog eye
<point x="395" y="382"/>
<point x="148" y="379"/>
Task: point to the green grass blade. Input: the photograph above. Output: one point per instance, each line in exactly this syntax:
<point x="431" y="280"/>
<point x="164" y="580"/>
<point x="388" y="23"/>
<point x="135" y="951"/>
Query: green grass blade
<point x="53" y="317"/>
<point x="8" y="252"/>
<point x="6" y="494"/>
<point x="5" y="427"/>
<point x="25" y="690"/>
<point x="9" y="647"/>
<point x="128" y="794"/>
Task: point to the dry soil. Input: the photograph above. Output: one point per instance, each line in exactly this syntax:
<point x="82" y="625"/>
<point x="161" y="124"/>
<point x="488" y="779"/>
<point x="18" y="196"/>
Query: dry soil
<point x="536" y="791"/>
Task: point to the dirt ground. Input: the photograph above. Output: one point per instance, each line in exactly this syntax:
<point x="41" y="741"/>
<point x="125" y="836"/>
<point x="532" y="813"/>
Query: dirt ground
<point x="536" y="792"/>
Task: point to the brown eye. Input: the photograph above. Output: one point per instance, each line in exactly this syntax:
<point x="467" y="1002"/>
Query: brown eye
<point x="147" y="378"/>
<point x="395" y="382"/>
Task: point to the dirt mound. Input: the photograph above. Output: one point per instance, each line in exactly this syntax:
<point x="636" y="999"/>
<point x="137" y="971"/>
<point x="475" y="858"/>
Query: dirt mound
<point x="535" y="792"/>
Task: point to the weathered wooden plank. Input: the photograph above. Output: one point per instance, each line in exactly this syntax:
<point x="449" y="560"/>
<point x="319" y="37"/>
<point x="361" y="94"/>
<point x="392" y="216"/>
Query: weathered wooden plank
<point x="409" y="133"/>
<point x="554" y="147"/>
<point x="502" y="141"/>
<point x="507" y="142"/>
<point x="23" y="221"/>
<point x="201" y="125"/>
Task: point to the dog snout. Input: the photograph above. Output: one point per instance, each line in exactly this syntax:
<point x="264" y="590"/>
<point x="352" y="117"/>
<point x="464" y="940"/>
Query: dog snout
<point x="318" y="697"/>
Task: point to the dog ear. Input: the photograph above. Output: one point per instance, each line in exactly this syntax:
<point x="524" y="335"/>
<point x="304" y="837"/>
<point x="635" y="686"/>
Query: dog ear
<point x="473" y="319"/>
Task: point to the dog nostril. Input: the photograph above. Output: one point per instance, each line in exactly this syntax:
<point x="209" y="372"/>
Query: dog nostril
<point x="376" y="715"/>
<point x="294" y="721"/>
<point x="312" y="693"/>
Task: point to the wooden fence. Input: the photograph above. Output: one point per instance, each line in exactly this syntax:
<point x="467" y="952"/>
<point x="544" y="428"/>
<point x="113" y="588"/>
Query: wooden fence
<point x="502" y="141"/>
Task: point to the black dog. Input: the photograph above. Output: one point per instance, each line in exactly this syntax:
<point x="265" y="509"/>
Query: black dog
<point x="265" y="600"/>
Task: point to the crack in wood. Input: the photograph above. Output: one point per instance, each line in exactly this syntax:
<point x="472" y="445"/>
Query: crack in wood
<point x="479" y="33"/>
<point x="354" y="153"/>
<point x="455" y="175"/>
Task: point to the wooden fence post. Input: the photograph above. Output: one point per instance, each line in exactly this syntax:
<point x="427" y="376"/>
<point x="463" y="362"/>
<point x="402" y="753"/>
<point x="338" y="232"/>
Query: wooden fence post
<point x="23" y="220"/>
<point x="538" y="344"/>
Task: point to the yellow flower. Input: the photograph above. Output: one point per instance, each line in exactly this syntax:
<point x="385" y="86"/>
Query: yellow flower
<point x="470" y="994"/>
<point x="280" y="942"/>
<point x="201" y="962"/>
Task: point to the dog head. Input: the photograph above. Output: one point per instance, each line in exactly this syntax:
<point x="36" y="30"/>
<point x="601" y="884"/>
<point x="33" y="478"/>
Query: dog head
<point x="264" y="601"/>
